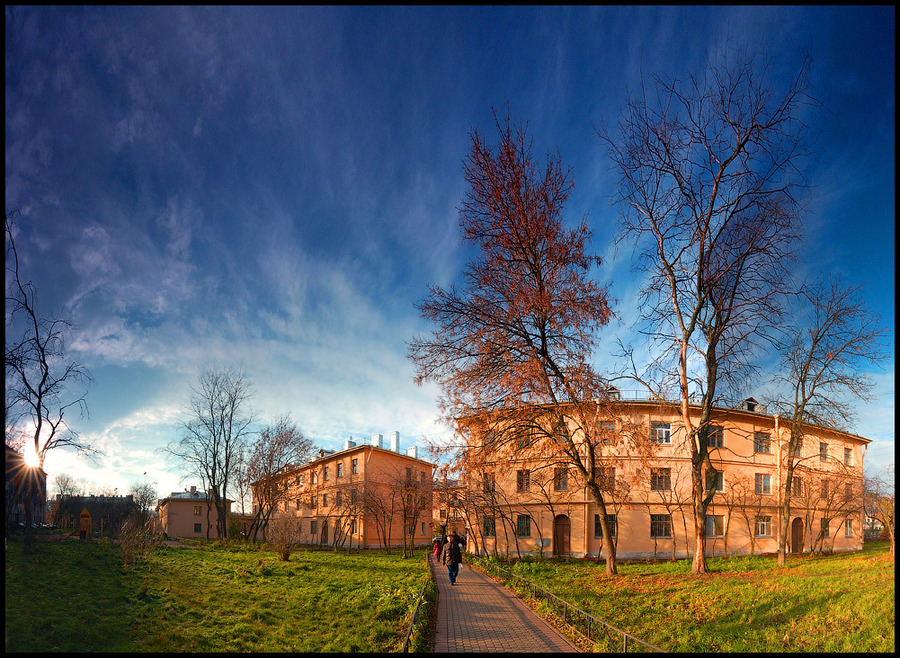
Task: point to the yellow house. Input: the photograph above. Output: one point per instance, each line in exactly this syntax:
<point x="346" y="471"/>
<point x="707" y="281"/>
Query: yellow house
<point x="189" y="513"/>
<point x="368" y="495"/>
<point x="520" y="500"/>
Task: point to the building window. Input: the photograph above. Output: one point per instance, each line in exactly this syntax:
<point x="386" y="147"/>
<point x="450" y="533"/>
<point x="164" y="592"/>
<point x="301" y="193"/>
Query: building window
<point x="353" y="526"/>
<point x="847" y="456"/>
<point x="313" y="527"/>
<point x="660" y="525"/>
<point x="715" y="437"/>
<point x="198" y="510"/>
<point x="848" y="492"/>
<point x="824" y="493"/>
<point x="443" y="514"/>
<point x="487" y="483"/>
<point x="606" y="429"/>
<point x="339" y="498"/>
<point x="523" y="525"/>
<point x="315" y="502"/>
<point x="560" y="480"/>
<point x="523" y="480"/>
<point x="325" y="475"/>
<point x="715" y="525"/>
<point x="716" y="480"/>
<point x="297" y="502"/>
<point x="823" y="452"/>
<point x="796" y="486"/>
<point x="605" y="478"/>
<point x="408" y="475"/>
<point x="354" y="466"/>
<point x="299" y="481"/>
<point x="661" y="479"/>
<point x="824" y="531"/>
<point x="763" y="483"/>
<point x="798" y="447"/>
<point x="340" y="470"/>
<point x="598" y="527"/>
<point x="314" y="478"/>
<point x="488" y="527"/>
<point x="848" y="528"/>
<point x="198" y="528"/>
<point x="763" y="526"/>
<point x="422" y="531"/>
<point x="661" y="433"/>
<point x="762" y="442"/>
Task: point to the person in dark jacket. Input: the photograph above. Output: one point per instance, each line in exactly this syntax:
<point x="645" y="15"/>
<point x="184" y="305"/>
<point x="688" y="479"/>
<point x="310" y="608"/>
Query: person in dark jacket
<point x="452" y="557"/>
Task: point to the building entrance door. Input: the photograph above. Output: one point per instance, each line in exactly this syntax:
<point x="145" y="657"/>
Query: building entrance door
<point x="797" y="535"/>
<point x="561" y="532"/>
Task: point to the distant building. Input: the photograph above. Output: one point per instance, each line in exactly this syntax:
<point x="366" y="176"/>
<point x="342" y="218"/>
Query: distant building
<point x="188" y="514"/>
<point x="18" y="476"/>
<point x="368" y="495"/>
<point x="449" y="506"/>
<point x="107" y="512"/>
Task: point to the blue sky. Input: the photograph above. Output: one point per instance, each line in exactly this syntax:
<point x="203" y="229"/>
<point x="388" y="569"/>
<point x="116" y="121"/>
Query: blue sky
<point x="277" y="187"/>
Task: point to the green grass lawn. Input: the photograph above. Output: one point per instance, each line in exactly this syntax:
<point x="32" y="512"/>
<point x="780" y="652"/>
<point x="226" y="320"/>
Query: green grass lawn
<point x="79" y="596"/>
<point x="842" y="602"/>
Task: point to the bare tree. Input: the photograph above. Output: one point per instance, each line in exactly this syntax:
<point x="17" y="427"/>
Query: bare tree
<point x="218" y="422"/>
<point x="286" y="535"/>
<point x="830" y="338"/>
<point x="878" y="501"/>
<point x="517" y="341"/>
<point x="145" y="497"/>
<point x="42" y="383"/>
<point x="269" y="459"/>
<point x="709" y="181"/>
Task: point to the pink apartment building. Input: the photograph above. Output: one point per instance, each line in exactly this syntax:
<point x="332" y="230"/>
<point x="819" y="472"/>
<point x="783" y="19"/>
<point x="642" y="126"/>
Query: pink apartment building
<point x="188" y="514"/>
<point x="368" y="495"/>
<point x="524" y="501"/>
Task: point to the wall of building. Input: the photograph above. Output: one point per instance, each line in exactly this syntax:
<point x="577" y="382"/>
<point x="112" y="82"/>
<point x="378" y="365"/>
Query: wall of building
<point x="743" y="460"/>
<point x="186" y="517"/>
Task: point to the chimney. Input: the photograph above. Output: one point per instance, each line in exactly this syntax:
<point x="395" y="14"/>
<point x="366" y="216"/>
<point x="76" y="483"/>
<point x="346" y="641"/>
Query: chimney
<point x="376" y="440"/>
<point x="349" y="444"/>
<point x="412" y="451"/>
<point x="395" y="441"/>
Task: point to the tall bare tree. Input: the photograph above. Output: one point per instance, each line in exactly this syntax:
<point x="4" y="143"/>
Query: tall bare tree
<point x="517" y="340"/>
<point x="709" y="183"/>
<point x="42" y="383"/>
<point x="218" y="422"/>
<point x="879" y="503"/>
<point x="277" y="448"/>
<point x="831" y="336"/>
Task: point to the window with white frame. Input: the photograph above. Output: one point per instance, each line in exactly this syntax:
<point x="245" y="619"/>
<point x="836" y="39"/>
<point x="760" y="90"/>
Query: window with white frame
<point x="716" y="480"/>
<point x="847" y="453"/>
<point x="661" y="433"/>
<point x="660" y="479"/>
<point x="848" y="528"/>
<point x="354" y="466"/>
<point x="660" y="525"/>
<point x="314" y="478"/>
<point x="715" y="525"/>
<point x="598" y="527"/>
<point x="823" y="452"/>
<point x="340" y="469"/>
<point x="715" y="437"/>
<point x="325" y="474"/>
<point x="763" y="482"/>
<point x="762" y="443"/>
<point x="488" y="527"/>
<point x="763" y="526"/>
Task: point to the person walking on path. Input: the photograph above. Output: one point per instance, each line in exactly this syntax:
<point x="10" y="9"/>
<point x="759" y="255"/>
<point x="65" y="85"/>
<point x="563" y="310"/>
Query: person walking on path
<point x="451" y="556"/>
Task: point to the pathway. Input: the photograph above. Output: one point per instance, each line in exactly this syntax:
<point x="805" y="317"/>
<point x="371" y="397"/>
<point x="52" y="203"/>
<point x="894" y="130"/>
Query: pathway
<point x="476" y="615"/>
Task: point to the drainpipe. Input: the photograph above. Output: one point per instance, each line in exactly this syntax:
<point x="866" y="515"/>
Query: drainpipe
<point x="781" y="492"/>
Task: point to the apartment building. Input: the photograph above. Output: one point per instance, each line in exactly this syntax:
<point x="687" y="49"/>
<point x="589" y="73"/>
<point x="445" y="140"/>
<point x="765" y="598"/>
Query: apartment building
<point x="367" y="495"/>
<point x="189" y="514"/>
<point x="523" y="497"/>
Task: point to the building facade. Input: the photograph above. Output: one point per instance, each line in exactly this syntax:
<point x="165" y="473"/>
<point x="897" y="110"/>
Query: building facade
<point x="523" y="498"/>
<point x="189" y="514"/>
<point x="366" y="496"/>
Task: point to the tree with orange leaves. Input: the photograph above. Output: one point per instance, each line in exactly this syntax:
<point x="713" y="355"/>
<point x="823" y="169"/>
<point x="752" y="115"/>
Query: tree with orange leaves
<point x="511" y="349"/>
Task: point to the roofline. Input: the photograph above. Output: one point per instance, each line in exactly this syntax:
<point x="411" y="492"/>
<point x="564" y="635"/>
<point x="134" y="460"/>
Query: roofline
<point x="668" y="404"/>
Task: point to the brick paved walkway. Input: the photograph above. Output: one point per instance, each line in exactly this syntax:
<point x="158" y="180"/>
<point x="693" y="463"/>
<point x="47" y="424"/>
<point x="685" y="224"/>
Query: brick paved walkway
<point x="476" y="615"/>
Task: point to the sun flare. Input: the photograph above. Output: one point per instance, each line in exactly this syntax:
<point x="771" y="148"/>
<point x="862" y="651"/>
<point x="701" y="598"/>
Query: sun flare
<point x="31" y="457"/>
